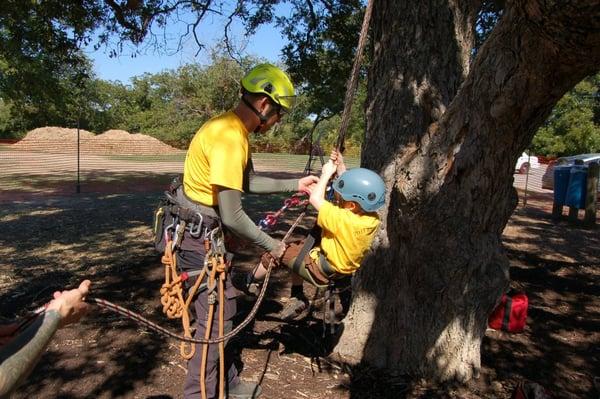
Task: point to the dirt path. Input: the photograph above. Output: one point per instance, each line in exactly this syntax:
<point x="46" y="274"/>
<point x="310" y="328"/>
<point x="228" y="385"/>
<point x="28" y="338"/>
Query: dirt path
<point x="49" y="243"/>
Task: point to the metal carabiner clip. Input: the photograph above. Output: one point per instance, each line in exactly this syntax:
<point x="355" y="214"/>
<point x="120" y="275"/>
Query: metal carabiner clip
<point x="217" y="243"/>
<point x="197" y="231"/>
<point x="170" y="227"/>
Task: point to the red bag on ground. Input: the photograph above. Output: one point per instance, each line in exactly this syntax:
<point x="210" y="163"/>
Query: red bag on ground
<point x="511" y="314"/>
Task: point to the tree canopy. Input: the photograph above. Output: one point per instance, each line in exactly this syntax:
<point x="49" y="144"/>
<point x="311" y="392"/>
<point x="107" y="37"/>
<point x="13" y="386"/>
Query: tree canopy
<point x="46" y="80"/>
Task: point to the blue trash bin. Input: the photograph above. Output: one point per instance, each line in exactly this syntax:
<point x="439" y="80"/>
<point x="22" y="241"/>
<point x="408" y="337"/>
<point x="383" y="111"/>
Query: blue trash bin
<point x="577" y="187"/>
<point x="561" y="183"/>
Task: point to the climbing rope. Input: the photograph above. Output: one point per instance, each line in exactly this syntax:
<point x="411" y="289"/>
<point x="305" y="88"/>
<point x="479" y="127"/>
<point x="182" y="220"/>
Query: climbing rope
<point x="353" y="82"/>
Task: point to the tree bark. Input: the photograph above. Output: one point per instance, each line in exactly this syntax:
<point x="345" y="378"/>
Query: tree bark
<point x="446" y="136"/>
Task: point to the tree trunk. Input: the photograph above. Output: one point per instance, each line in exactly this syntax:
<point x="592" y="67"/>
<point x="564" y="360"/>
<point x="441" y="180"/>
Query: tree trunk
<point x="446" y="139"/>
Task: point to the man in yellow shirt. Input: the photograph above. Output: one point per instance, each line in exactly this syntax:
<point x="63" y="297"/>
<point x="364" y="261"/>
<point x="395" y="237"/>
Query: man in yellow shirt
<point x="217" y="169"/>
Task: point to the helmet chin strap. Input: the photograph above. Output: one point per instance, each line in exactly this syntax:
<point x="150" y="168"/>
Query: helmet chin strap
<point x="263" y="119"/>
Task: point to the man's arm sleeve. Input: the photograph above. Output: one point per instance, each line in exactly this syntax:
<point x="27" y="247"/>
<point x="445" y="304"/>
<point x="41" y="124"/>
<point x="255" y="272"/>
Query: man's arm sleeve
<point x="236" y="220"/>
<point x="266" y="185"/>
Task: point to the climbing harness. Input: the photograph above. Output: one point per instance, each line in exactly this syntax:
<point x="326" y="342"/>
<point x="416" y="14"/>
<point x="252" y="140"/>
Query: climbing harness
<point x="161" y="330"/>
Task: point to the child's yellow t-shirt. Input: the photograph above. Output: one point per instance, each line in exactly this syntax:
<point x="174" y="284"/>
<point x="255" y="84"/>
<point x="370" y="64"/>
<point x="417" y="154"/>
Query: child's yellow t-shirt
<point x="346" y="236"/>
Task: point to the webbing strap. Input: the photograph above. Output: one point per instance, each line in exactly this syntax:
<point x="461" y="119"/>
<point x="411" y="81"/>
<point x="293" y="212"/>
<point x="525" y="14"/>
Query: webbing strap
<point x="190" y="203"/>
<point x="329" y="310"/>
<point x="326" y="267"/>
<point x="309" y="242"/>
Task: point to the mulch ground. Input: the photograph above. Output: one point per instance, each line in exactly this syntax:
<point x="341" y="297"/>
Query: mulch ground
<point x="49" y="243"/>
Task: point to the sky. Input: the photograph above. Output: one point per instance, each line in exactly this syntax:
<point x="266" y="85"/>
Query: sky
<point x="266" y="43"/>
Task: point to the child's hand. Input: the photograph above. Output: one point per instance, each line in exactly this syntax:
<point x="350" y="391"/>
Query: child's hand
<point x="329" y="169"/>
<point x="336" y="156"/>
<point x="338" y="159"/>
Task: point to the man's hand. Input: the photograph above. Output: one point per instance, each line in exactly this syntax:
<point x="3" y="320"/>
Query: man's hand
<point x="275" y="255"/>
<point x="279" y="250"/>
<point x="70" y="304"/>
<point x="307" y="183"/>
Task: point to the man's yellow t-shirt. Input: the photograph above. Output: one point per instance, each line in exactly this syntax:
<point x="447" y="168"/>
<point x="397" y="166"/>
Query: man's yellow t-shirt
<point x="346" y="236"/>
<point x="217" y="156"/>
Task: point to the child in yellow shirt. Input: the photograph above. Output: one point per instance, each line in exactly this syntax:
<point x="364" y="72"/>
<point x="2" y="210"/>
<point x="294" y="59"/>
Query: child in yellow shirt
<point x="348" y="226"/>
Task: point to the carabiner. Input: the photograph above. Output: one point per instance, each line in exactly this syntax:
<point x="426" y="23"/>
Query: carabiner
<point x="217" y="243"/>
<point x="170" y="227"/>
<point x="198" y="230"/>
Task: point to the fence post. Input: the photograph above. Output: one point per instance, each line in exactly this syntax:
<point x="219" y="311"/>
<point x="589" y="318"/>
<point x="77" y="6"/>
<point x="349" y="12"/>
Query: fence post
<point x="78" y="187"/>
<point x="591" y="197"/>
<point x="527" y="178"/>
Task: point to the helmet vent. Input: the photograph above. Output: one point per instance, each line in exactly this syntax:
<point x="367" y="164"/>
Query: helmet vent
<point x="371" y="197"/>
<point x="341" y="184"/>
<point x="268" y="87"/>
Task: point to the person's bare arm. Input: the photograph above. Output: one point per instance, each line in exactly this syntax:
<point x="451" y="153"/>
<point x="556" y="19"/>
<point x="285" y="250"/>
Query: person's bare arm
<point x="317" y="197"/>
<point x="21" y="354"/>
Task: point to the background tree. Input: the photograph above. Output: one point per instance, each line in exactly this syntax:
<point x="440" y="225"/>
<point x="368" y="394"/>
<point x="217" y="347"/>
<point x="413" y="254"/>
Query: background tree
<point x="172" y="105"/>
<point x="320" y="51"/>
<point x="40" y="62"/>
<point x="573" y="126"/>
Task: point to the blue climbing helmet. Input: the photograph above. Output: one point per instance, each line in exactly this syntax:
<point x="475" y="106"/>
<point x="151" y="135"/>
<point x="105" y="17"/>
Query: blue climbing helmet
<point x="362" y="186"/>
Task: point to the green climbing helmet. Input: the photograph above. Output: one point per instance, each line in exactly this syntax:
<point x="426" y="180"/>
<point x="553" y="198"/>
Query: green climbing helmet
<point x="362" y="186"/>
<point x="272" y="81"/>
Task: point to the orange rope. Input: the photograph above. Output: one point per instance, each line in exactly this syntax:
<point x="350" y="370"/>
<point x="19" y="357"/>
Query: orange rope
<point x="185" y="320"/>
<point x="174" y="306"/>
<point x="222" y="274"/>
<point x="207" y="332"/>
<point x="171" y="291"/>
